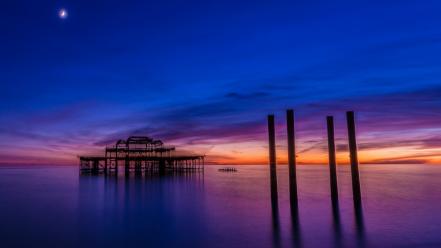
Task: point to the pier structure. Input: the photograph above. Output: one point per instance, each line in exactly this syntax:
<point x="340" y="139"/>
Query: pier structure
<point x="140" y="154"/>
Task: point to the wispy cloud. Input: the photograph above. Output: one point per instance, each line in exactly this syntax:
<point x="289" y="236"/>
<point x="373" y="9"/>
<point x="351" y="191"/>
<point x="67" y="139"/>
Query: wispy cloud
<point x="392" y="83"/>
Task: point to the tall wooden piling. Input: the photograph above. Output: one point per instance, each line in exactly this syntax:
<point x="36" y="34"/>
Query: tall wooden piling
<point x="332" y="159"/>
<point x="350" y="117"/>
<point x="291" y="158"/>
<point x="272" y="158"/>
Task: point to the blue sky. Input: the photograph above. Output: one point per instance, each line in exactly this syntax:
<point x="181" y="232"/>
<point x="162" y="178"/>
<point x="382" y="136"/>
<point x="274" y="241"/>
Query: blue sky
<point x="204" y="74"/>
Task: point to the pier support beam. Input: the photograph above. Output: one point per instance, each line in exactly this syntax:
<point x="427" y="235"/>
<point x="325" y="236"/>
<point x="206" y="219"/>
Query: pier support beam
<point x="291" y="158"/>
<point x="95" y="167"/>
<point x="350" y="117"/>
<point x="332" y="160"/>
<point x="161" y="164"/>
<point x="105" y="164"/>
<point x="116" y="162"/>
<point x="127" y="166"/>
<point x="272" y="158"/>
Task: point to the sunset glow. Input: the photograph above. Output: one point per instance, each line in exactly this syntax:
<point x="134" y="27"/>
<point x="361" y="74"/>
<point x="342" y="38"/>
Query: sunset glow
<point x="204" y="79"/>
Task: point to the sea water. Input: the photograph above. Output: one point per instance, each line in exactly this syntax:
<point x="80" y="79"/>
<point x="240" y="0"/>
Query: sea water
<point x="55" y="206"/>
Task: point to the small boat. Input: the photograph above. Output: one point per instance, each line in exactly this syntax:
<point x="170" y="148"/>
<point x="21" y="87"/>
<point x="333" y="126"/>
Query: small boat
<point x="228" y="169"/>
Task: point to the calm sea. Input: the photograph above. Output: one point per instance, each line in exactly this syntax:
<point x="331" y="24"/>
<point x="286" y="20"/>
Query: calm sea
<point x="56" y="207"/>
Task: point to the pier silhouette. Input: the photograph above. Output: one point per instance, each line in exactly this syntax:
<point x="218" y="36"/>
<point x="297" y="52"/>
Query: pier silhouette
<point x="141" y="154"/>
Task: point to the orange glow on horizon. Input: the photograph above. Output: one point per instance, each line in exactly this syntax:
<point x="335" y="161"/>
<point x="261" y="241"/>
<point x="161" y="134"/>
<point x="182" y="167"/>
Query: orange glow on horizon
<point x="254" y="153"/>
<point x="242" y="153"/>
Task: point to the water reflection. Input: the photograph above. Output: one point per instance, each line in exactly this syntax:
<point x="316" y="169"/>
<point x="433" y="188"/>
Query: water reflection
<point x="295" y="226"/>
<point x="217" y="209"/>
<point x="146" y="207"/>
<point x="275" y="223"/>
<point x="336" y="223"/>
<point x="152" y="198"/>
<point x="359" y="225"/>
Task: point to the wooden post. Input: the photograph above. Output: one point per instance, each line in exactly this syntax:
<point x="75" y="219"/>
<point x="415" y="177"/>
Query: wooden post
<point x="354" y="159"/>
<point x="272" y="158"/>
<point x="291" y="158"/>
<point x="332" y="159"/>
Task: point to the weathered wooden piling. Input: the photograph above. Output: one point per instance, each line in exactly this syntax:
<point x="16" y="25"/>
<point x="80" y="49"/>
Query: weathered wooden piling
<point x="333" y="179"/>
<point x="332" y="160"/>
<point x="272" y="158"/>
<point x="291" y="158"/>
<point x="350" y="117"/>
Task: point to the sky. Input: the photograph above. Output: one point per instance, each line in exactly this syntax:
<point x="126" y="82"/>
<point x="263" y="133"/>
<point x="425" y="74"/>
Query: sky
<point x="203" y="75"/>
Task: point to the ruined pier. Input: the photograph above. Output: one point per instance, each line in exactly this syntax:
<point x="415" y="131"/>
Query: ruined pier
<point x="140" y="154"/>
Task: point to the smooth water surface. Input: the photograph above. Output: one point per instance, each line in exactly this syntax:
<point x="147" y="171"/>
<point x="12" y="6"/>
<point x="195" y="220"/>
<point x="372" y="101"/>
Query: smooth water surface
<point x="56" y="207"/>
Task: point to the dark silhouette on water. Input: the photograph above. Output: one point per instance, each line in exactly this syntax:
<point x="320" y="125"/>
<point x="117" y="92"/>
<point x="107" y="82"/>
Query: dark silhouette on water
<point x="359" y="226"/>
<point x="332" y="160"/>
<point x="295" y="226"/>
<point x="337" y="223"/>
<point x="276" y="225"/>
<point x="141" y="154"/>
<point x="333" y="176"/>
<point x="272" y="156"/>
<point x="291" y="158"/>
<point x="273" y="182"/>
<point x="227" y="169"/>
<point x="350" y="117"/>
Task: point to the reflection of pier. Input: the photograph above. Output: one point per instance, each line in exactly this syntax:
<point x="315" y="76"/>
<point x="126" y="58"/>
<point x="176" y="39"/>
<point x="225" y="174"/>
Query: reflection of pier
<point x="141" y="154"/>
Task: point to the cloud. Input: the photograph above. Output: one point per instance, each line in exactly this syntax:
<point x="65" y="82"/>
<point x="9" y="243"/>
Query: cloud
<point x="240" y="116"/>
<point x="231" y="119"/>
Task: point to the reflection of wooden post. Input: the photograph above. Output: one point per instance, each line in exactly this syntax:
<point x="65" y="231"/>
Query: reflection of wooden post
<point x="272" y="158"/>
<point x="291" y="157"/>
<point x="354" y="159"/>
<point x="332" y="160"/>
